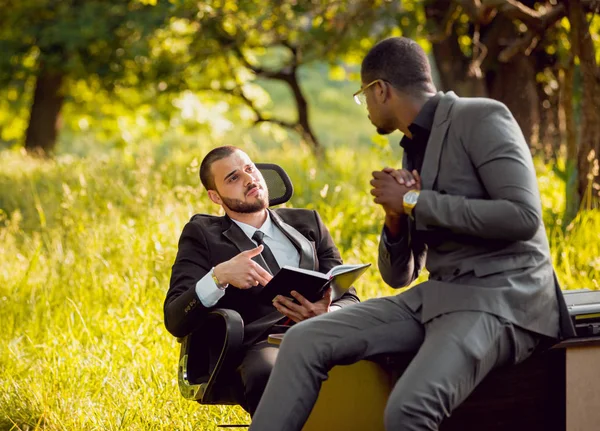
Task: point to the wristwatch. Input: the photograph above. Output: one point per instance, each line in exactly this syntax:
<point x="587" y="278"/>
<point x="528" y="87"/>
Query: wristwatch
<point x="216" y="280"/>
<point x="410" y="201"/>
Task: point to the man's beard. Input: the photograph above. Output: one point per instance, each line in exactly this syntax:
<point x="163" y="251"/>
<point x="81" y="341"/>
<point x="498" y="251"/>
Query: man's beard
<point x="380" y="130"/>
<point x="239" y="206"/>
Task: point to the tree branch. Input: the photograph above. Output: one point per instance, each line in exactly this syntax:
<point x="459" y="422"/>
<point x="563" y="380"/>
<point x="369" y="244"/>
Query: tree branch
<point x="260" y="118"/>
<point x="525" y="44"/>
<point x="479" y="53"/>
<point x="532" y="18"/>
<point x="295" y="51"/>
<point x="480" y="11"/>
<point x="345" y="23"/>
<point x="536" y="21"/>
<point x="281" y="75"/>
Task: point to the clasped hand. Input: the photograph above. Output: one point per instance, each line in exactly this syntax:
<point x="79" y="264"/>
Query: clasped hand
<point x="389" y="187"/>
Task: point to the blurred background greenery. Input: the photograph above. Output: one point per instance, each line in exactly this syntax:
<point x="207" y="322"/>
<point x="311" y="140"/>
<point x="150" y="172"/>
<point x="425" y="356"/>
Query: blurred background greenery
<point x="107" y="108"/>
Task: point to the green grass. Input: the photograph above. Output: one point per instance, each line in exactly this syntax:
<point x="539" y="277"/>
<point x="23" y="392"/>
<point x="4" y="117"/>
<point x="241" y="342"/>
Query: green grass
<point x="86" y="249"/>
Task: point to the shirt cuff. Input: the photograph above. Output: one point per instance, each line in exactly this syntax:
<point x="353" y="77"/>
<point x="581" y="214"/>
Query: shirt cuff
<point x="208" y="292"/>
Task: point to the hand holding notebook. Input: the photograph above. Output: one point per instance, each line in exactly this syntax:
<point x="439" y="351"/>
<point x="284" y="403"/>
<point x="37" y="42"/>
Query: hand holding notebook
<point x="312" y="284"/>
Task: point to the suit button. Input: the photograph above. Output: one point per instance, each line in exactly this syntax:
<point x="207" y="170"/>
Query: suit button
<point x="456" y="271"/>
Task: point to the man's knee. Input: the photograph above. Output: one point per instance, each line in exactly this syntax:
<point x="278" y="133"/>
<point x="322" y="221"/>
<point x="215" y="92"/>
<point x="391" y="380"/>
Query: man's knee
<point x="306" y="344"/>
<point x="420" y="401"/>
<point x="406" y="413"/>
<point x="298" y="337"/>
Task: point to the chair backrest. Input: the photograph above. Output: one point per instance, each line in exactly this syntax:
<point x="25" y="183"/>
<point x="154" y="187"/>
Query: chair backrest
<point x="204" y="361"/>
<point x="278" y="182"/>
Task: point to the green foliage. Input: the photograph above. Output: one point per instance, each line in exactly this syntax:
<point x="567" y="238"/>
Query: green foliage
<point x="103" y="49"/>
<point x="78" y="38"/>
<point x="87" y="245"/>
<point x="141" y="68"/>
<point x="231" y="46"/>
<point x="318" y="29"/>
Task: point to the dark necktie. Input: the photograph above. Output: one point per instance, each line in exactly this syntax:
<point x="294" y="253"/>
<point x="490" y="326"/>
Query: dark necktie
<point x="267" y="254"/>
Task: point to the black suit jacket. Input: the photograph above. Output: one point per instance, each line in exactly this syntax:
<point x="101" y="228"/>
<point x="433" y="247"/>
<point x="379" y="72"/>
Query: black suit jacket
<point x="209" y="240"/>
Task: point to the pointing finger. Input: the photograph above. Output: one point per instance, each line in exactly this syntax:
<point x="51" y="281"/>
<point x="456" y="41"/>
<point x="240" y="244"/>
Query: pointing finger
<point x="254" y="251"/>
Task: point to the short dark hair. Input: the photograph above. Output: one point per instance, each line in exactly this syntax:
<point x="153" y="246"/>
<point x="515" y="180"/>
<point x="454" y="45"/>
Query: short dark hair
<point x="206" y="176"/>
<point x="401" y="62"/>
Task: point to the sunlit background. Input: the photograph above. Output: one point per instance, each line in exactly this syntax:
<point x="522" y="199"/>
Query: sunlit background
<point x="107" y="108"/>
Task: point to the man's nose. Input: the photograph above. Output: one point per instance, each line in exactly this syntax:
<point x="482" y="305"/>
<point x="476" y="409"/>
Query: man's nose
<point x="248" y="178"/>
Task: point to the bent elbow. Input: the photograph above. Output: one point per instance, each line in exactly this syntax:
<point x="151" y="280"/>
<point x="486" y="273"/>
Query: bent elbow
<point x="398" y="282"/>
<point x="172" y="329"/>
<point x="531" y="223"/>
<point x="397" y="275"/>
<point x="174" y="325"/>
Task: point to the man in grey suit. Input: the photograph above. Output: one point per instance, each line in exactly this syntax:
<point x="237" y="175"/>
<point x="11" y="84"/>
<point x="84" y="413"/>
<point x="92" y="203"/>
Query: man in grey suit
<point x="467" y="207"/>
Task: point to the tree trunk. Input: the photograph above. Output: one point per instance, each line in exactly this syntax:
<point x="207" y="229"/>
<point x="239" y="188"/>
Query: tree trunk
<point x="303" y="123"/>
<point x="557" y="144"/>
<point x="548" y="141"/>
<point x="453" y="69"/>
<point x="589" y="139"/>
<point x="568" y="131"/>
<point x="42" y="130"/>
<point x="514" y="85"/>
<point x="451" y="63"/>
<point x="537" y="144"/>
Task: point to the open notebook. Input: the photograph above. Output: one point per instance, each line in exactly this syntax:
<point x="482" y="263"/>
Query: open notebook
<point x="312" y="284"/>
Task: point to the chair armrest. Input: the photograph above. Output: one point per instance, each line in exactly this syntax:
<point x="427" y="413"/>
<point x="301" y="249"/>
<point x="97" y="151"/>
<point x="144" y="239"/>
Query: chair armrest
<point x="207" y="351"/>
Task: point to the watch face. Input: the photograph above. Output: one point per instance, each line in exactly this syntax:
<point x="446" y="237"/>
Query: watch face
<point x="411" y="197"/>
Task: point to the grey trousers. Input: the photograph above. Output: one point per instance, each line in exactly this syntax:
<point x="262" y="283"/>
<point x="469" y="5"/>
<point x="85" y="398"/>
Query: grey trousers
<point x="454" y="352"/>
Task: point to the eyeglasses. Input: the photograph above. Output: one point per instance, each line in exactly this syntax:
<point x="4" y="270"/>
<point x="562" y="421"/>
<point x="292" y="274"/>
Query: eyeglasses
<point x="360" y="97"/>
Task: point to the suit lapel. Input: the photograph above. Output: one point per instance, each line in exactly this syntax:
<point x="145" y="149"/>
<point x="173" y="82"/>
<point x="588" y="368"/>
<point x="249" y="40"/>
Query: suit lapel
<point x="441" y="122"/>
<point x="236" y="235"/>
<point x="307" y="254"/>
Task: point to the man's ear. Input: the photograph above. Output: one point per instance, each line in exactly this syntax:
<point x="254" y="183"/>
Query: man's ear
<point x="385" y="91"/>
<point x="214" y="196"/>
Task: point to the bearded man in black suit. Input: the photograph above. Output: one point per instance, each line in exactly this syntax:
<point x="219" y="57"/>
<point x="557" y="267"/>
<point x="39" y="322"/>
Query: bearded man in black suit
<point x="225" y="261"/>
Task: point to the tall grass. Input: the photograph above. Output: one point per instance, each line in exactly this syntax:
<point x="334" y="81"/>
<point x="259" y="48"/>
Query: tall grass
<point x="87" y="245"/>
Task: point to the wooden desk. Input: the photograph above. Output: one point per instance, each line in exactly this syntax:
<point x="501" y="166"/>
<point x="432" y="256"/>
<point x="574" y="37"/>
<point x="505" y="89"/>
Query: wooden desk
<point x="556" y="390"/>
<point x="582" y="384"/>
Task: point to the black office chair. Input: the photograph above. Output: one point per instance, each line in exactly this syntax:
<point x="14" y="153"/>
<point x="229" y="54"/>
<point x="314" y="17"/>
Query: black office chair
<point x="209" y="355"/>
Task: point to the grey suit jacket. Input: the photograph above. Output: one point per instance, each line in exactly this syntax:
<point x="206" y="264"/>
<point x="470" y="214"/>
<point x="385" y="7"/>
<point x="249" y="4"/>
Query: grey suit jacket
<point x="478" y="224"/>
